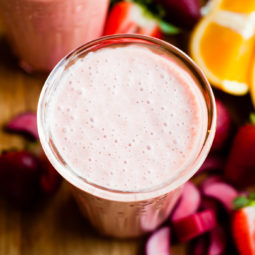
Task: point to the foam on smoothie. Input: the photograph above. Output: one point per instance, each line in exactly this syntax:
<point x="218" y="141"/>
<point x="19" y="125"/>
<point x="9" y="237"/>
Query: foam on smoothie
<point x="128" y="118"/>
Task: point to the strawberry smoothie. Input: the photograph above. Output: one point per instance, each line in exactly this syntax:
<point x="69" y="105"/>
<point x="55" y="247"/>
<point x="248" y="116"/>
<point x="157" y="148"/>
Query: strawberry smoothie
<point x="41" y="32"/>
<point x="127" y="124"/>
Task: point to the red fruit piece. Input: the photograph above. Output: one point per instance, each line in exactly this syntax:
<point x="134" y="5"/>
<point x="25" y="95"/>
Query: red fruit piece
<point x="211" y="204"/>
<point x="49" y="178"/>
<point x="194" y="225"/>
<point x="19" y="177"/>
<point x="199" y="246"/>
<point x="214" y="243"/>
<point x="128" y="17"/>
<point x="217" y="243"/>
<point x="223" y="126"/>
<point x="240" y="165"/>
<point x="24" y="123"/>
<point x="212" y="163"/>
<point x="243" y="228"/>
<point x="189" y="202"/>
<point x="183" y="13"/>
<point x="221" y="191"/>
<point x="159" y="242"/>
<point x="211" y="179"/>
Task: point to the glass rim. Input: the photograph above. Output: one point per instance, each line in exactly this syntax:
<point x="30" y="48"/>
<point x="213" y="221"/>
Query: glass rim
<point x="80" y="182"/>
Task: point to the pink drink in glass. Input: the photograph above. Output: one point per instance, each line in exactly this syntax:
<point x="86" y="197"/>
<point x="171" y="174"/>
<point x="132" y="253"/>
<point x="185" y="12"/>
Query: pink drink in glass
<point x="127" y="120"/>
<point x="41" y="32"/>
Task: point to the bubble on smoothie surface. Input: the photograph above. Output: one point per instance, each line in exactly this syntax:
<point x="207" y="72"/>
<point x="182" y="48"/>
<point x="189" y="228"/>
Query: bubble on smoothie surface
<point x="127" y="118"/>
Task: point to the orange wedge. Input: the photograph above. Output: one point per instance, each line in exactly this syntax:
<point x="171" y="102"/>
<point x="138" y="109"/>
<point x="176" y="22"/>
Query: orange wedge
<point x="238" y="6"/>
<point x="222" y="45"/>
<point x="252" y="89"/>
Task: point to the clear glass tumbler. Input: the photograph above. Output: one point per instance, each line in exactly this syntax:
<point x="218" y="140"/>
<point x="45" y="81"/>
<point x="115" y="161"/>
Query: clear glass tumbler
<point x="41" y="32"/>
<point x="118" y="213"/>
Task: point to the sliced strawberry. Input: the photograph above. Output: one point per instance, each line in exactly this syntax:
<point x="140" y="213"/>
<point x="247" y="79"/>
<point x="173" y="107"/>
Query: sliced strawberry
<point x="128" y="17"/>
<point x="243" y="227"/>
<point x="24" y="123"/>
<point x="159" y="242"/>
<point x="240" y="165"/>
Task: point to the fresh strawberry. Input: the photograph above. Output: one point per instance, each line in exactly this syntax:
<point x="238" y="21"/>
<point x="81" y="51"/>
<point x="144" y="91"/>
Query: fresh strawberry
<point x="243" y="226"/>
<point x="240" y="165"/>
<point x="19" y="177"/>
<point x="129" y="17"/>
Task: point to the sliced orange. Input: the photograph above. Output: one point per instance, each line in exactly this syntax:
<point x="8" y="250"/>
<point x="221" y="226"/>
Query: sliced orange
<point x="252" y="89"/>
<point x="238" y="6"/>
<point x="222" y="45"/>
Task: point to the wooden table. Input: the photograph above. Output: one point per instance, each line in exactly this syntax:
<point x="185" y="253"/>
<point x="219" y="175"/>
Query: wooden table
<point x="56" y="226"/>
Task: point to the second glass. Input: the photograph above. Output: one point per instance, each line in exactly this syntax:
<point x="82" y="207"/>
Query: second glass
<point x="41" y="32"/>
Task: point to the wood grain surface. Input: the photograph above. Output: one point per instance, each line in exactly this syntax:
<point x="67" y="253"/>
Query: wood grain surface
<point x="54" y="226"/>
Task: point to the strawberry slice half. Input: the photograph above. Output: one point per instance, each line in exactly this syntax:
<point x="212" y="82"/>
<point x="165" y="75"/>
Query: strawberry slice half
<point x="243" y="227"/>
<point x="128" y="17"/>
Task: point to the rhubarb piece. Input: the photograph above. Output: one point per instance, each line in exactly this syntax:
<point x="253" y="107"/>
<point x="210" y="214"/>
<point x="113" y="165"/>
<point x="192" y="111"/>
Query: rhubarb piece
<point x="159" y="242"/>
<point x="19" y="177"/>
<point x="217" y="243"/>
<point x="189" y="202"/>
<point x="194" y="225"/>
<point x="25" y="123"/>
<point x="222" y="192"/>
<point x="223" y="126"/>
<point x="199" y="246"/>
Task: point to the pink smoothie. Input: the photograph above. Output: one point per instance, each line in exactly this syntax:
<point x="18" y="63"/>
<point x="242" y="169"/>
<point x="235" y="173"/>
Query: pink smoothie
<point x="41" y="32"/>
<point x="126" y="120"/>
